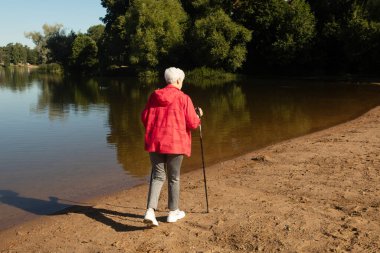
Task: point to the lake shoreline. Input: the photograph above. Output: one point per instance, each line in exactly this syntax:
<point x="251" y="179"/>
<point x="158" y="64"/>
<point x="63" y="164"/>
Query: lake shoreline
<point x="314" y="193"/>
<point x="210" y="74"/>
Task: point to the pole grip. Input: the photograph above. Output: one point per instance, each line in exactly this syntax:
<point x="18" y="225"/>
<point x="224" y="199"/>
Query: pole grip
<point x="198" y="112"/>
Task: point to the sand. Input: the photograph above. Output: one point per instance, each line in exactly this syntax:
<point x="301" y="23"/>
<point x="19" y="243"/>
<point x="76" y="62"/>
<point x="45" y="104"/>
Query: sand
<point x="316" y="193"/>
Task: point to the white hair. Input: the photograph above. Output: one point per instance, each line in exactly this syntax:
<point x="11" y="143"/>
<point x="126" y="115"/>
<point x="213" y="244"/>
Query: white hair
<point x="173" y="74"/>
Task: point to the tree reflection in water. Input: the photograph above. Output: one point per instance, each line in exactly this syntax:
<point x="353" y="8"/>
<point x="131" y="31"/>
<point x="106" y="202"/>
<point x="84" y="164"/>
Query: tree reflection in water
<point x="240" y="115"/>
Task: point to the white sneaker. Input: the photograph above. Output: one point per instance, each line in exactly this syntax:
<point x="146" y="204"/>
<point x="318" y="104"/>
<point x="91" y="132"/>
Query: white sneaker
<point x="175" y="215"/>
<point x="150" y="218"/>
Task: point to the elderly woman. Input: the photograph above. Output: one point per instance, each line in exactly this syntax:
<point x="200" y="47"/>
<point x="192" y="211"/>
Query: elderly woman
<point x="168" y="118"/>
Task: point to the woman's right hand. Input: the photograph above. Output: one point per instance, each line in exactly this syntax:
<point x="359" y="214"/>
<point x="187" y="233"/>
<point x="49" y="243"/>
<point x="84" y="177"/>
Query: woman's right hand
<point x="199" y="112"/>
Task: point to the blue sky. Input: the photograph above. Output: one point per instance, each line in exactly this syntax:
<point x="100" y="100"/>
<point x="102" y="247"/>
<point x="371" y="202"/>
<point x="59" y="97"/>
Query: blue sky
<point x="19" y="16"/>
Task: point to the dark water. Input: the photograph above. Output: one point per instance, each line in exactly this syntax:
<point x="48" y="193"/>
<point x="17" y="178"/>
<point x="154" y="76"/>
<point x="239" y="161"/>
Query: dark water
<point x="65" y="140"/>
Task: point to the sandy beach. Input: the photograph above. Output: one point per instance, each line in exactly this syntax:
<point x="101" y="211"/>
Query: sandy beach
<point x="316" y="193"/>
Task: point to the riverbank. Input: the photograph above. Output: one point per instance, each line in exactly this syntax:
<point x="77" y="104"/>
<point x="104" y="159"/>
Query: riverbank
<point x="316" y="193"/>
<point x="20" y="65"/>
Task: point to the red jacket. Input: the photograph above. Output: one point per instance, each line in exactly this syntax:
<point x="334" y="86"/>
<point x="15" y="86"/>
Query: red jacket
<point x="168" y="118"/>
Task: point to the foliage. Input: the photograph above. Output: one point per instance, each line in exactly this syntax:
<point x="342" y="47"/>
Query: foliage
<point x="84" y="53"/>
<point x="363" y="50"/>
<point x="59" y="45"/>
<point x="373" y="8"/>
<point x="32" y="57"/>
<point x="115" y="9"/>
<point x="17" y="54"/>
<point x="219" y="42"/>
<point x="347" y="37"/>
<point x="154" y="33"/>
<point x="96" y="33"/>
<point x="114" y="49"/>
<point x="330" y="10"/>
<point x="286" y="35"/>
<point x="196" y="8"/>
<point x="283" y="30"/>
<point x="40" y="40"/>
<point x="3" y="57"/>
<point x="275" y="36"/>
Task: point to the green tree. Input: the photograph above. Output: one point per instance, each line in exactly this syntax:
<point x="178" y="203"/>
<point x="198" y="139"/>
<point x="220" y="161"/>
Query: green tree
<point x="32" y="56"/>
<point x="283" y="30"/>
<point x="40" y="40"/>
<point x="84" y="53"/>
<point x="5" y="56"/>
<point x="96" y="33"/>
<point x="330" y="10"/>
<point x="362" y="43"/>
<point x="196" y="8"/>
<point x="348" y="36"/>
<point x="1" y="55"/>
<point x="218" y="42"/>
<point x="22" y="53"/>
<point x="17" y="53"/>
<point x="60" y="46"/>
<point x="14" y="53"/>
<point x="373" y="8"/>
<point x="331" y="16"/>
<point x="115" y="9"/>
<point x="155" y="32"/>
<point x="114" y="49"/>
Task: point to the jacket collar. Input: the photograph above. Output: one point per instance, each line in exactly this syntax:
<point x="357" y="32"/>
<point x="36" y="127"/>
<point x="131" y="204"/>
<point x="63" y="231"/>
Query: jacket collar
<point x="171" y="86"/>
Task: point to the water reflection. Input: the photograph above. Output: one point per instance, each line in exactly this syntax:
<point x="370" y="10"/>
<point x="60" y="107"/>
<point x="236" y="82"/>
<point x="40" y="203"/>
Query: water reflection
<point x="16" y="79"/>
<point x="243" y="116"/>
<point x="127" y="100"/>
<point x="239" y="115"/>
<point x="59" y="97"/>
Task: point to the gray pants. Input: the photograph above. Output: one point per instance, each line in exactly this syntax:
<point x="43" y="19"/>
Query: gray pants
<point x="172" y="163"/>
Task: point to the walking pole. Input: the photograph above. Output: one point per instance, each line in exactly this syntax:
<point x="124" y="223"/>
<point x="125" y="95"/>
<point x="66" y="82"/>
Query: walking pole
<point x="203" y="159"/>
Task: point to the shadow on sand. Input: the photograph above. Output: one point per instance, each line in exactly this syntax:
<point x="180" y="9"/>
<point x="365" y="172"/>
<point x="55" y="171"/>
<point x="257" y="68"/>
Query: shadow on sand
<point x="54" y="207"/>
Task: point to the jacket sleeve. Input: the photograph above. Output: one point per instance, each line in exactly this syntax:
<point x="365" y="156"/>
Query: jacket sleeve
<point x="145" y="112"/>
<point x="192" y="119"/>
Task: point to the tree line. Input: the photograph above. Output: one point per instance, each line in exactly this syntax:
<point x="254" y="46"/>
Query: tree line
<point x="248" y="36"/>
<point x="17" y="54"/>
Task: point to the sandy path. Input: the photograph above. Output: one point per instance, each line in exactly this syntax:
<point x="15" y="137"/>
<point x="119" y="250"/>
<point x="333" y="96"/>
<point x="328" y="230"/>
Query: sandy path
<point x="317" y="193"/>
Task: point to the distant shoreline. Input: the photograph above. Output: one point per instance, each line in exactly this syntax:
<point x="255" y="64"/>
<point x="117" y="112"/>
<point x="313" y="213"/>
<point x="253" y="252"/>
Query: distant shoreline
<point x="30" y="66"/>
<point x="201" y="74"/>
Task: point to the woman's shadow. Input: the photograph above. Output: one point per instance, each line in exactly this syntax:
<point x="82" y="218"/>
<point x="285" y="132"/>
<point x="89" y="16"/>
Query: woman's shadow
<point x="53" y="207"/>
